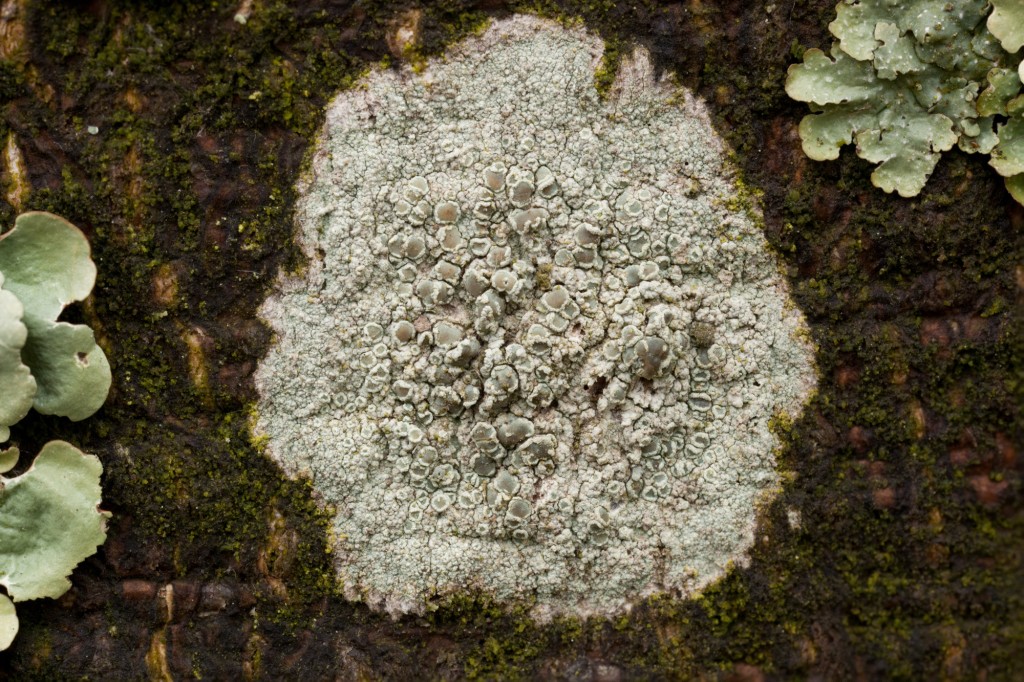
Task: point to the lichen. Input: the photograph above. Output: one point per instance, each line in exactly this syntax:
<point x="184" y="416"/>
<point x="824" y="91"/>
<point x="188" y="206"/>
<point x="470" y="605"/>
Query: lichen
<point x="908" y="81"/>
<point x="51" y="521"/>
<point x="53" y="366"/>
<point x="534" y="326"/>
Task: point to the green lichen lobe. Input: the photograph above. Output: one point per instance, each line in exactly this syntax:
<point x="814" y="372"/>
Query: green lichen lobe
<point x="903" y="85"/>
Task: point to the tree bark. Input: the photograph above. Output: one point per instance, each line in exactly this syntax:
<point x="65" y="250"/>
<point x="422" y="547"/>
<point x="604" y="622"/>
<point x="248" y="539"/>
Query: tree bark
<point x="173" y="134"/>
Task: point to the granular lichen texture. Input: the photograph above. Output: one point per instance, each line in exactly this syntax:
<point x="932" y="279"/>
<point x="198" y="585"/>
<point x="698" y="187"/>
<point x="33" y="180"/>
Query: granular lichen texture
<point x="538" y="342"/>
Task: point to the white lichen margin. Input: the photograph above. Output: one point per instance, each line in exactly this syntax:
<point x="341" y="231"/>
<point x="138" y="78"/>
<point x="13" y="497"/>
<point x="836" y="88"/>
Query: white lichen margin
<point x="534" y="352"/>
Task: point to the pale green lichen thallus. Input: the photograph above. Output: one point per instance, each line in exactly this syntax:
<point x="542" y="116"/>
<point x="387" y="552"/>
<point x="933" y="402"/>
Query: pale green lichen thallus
<point x="54" y="366"/>
<point x="535" y="351"/>
<point x="906" y="81"/>
<point x="50" y="518"/>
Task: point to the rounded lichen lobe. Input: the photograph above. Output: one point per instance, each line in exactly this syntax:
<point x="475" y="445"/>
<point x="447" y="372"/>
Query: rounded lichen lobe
<point x="528" y="357"/>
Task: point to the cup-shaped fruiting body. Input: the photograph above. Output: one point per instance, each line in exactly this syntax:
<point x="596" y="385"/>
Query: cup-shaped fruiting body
<point x="537" y="354"/>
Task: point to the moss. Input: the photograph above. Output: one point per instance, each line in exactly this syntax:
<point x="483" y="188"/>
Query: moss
<point x="604" y="76"/>
<point x="12" y="81"/>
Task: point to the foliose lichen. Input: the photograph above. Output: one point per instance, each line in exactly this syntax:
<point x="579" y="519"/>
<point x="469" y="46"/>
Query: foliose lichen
<point x="535" y="351"/>
<point x="49" y="515"/>
<point x="53" y="366"/>
<point x="49" y="522"/>
<point x="908" y="80"/>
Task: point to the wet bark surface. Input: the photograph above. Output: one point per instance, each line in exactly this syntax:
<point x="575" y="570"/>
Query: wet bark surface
<point x="172" y="134"/>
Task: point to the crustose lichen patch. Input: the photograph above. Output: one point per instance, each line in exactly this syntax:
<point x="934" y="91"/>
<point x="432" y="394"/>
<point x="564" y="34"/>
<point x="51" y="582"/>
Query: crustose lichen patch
<point x="534" y="353"/>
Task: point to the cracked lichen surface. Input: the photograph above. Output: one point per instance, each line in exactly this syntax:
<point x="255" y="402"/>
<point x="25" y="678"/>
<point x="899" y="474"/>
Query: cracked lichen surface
<point x="536" y="349"/>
